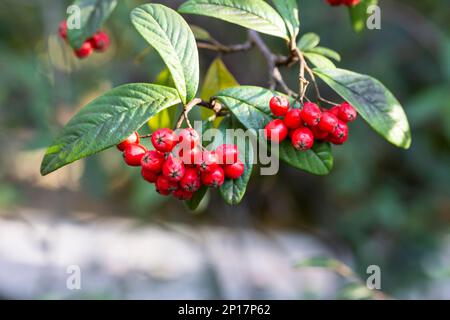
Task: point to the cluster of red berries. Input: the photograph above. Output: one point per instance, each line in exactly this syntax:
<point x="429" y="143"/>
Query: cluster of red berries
<point x="179" y="166"/>
<point x="308" y="124"/>
<point x="349" y="3"/>
<point x="98" y="42"/>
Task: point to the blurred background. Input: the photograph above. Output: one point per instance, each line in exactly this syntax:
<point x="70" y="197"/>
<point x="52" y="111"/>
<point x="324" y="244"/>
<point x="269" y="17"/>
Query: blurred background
<point x="295" y="236"/>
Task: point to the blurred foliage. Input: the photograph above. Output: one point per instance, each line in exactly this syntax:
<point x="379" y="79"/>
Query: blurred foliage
<point x="382" y="205"/>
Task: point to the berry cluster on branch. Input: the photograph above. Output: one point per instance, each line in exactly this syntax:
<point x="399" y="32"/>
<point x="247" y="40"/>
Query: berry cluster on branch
<point x="179" y="165"/>
<point x="98" y="42"/>
<point x="309" y="123"/>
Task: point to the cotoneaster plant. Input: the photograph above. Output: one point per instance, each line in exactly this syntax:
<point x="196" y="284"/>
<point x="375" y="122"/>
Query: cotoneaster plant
<point x="301" y="122"/>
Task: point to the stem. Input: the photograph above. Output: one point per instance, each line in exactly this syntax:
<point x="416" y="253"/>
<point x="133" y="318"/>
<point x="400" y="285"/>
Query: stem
<point x="217" y="46"/>
<point x="273" y="61"/>
<point x="184" y="114"/>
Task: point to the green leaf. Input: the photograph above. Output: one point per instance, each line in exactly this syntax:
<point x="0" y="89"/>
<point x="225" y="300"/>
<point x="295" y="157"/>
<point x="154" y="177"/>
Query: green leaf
<point x="308" y="41"/>
<point x="255" y="14"/>
<point x="170" y="35"/>
<point x="250" y="105"/>
<point x="217" y="78"/>
<point x="318" y="160"/>
<point x="93" y="13"/>
<point x="233" y="191"/>
<point x="196" y="198"/>
<point x="165" y="118"/>
<point x="288" y="10"/>
<point x="200" y="33"/>
<point x="107" y="121"/>
<point x="326" y="53"/>
<point x="319" y="61"/>
<point x="376" y="104"/>
<point x="359" y="15"/>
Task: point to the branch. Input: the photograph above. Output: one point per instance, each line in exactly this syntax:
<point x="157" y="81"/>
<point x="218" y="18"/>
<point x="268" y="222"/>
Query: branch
<point x="184" y="114"/>
<point x="273" y="61"/>
<point x="217" y="46"/>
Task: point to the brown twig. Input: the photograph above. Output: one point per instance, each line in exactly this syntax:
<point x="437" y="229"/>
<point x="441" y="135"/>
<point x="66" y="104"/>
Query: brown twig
<point x="186" y="109"/>
<point x="273" y="61"/>
<point x="219" y="47"/>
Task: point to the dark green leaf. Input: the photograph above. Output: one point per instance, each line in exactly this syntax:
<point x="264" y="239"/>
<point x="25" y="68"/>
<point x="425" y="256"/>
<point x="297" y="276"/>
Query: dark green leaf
<point x="288" y="10"/>
<point x="250" y="105"/>
<point x="318" y="160"/>
<point x="308" y="41"/>
<point x="376" y="104"/>
<point x="255" y="14"/>
<point x="170" y="35"/>
<point x="93" y="13"/>
<point x="196" y="199"/>
<point x="107" y="121"/>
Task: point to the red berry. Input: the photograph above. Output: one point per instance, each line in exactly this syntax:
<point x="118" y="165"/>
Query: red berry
<point x="234" y="171"/>
<point x="164" y="186"/>
<point x="311" y="114"/>
<point x="213" y="178"/>
<point x="351" y="3"/>
<point x="100" y="41"/>
<point x="319" y="134"/>
<point x="347" y="113"/>
<point x="62" y="30"/>
<point x="302" y="139"/>
<point x="148" y="175"/>
<point x="132" y="139"/>
<point x="181" y="194"/>
<point x="335" y="2"/>
<point x="133" y="154"/>
<point x="279" y="105"/>
<point x="227" y="153"/>
<point x="191" y="180"/>
<point x="190" y="156"/>
<point x="328" y="122"/>
<point x="290" y="133"/>
<point x="164" y="140"/>
<point x="153" y="161"/>
<point x="173" y="168"/>
<point x="84" y="51"/>
<point x="334" y="110"/>
<point x="276" y="131"/>
<point x="293" y="119"/>
<point x="188" y="138"/>
<point x="340" y="135"/>
<point x="208" y="161"/>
